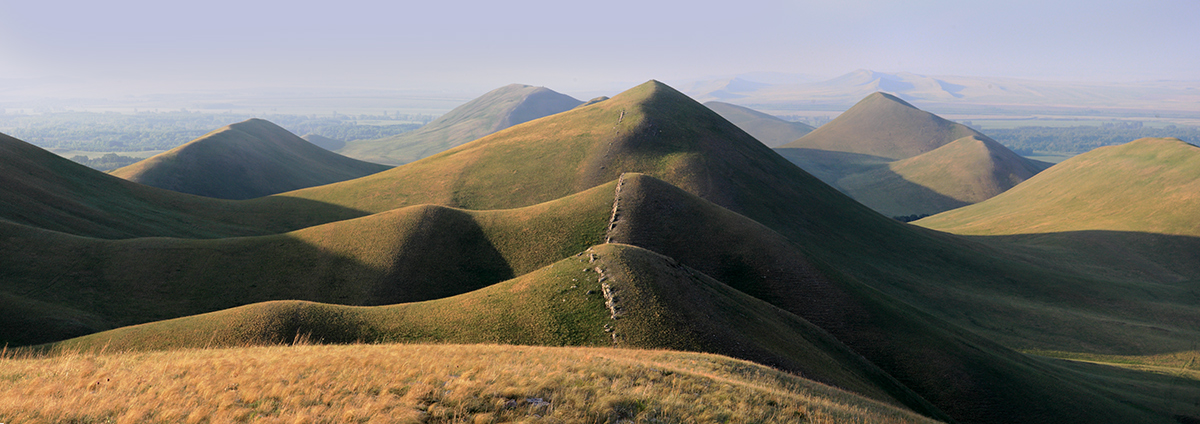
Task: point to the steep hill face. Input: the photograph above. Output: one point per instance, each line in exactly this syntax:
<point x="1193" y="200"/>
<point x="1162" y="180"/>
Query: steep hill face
<point x="768" y="129"/>
<point x="245" y="160"/>
<point x="966" y="171"/>
<point x="1149" y="185"/>
<point x="498" y="109"/>
<point x="883" y="125"/>
<point x="44" y="190"/>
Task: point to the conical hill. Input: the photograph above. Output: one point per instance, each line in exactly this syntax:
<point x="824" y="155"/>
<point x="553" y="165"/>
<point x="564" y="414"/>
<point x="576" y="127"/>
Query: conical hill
<point x="496" y="110"/>
<point x="884" y="125"/>
<point x="245" y="160"/>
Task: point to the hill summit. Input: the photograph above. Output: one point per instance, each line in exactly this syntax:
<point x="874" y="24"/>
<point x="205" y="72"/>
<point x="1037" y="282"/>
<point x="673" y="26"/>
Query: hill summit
<point x="883" y="125"/>
<point x="498" y="109"/>
<point x="249" y="159"/>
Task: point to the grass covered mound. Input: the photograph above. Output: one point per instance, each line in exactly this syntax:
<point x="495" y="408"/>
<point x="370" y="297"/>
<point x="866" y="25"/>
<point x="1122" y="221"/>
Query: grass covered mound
<point x="245" y="160"/>
<point x="498" y="109"/>
<point x="1149" y="185"/>
<point x="421" y="383"/>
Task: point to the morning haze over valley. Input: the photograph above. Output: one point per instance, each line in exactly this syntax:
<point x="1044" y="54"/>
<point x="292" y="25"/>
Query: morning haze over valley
<point x="627" y="212"/>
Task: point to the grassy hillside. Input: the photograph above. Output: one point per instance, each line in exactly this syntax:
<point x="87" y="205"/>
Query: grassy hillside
<point x="883" y="125"/>
<point x="245" y="160"/>
<point x="410" y="254"/>
<point x="610" y="295"/>
<point x="421" y="383"/>
<point x="966" y="171"/>
<point x="768" y="129"/>
<point x="41" y="189"/>
<point x="1148" y="185"/>
<point x="498" y="109"/>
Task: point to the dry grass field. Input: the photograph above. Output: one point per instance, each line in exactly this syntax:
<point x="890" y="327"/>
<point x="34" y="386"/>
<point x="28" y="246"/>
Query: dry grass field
<point x="419" y="383"/>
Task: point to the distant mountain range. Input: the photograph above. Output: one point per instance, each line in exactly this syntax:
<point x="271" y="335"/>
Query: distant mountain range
<point x="961" y="94"/>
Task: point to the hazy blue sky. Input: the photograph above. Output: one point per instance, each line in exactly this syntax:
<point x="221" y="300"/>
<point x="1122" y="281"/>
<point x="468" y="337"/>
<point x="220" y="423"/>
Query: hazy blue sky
<point x="566" y="45"/>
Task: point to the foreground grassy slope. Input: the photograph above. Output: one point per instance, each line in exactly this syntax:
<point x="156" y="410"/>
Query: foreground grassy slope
<point x="410" y="254"/>
<point x="883" y="125"/>
<point x="609" y="295"/>
<point x="498" y="109"/>
<point x="768" y="129"/>
<point x="422" y="383"/>
<point x="966" y="171"/>
<point x="249" y="159"/>
<point x="1148" y="185"/>
<point x="44" y="190"/>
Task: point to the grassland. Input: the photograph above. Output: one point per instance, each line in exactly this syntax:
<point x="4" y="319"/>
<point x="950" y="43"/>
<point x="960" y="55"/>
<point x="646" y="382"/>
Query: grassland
<point x="936" y="312"/>
<point x="1148" y="185"/>
<point x="498" y="109"/>
<point x="420" y="383"/>
<point x="249" y="159"/>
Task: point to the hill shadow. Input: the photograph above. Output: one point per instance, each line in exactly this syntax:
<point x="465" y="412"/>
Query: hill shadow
<point x="57" y="286"/>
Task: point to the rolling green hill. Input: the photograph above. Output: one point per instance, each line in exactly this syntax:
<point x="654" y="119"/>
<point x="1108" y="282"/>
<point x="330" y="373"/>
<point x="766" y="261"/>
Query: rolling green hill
<point x="768" y="129"/>
<point x="883" y="125"/>
<point x="44" y="190"/>
<point x="245" y="160"/>
<point x="498" y="109"/>
<point x="1149" y="185"/>
<point x="901" y="161"/>
<point x="657" y="302"/>
<point x="409" y="254"/>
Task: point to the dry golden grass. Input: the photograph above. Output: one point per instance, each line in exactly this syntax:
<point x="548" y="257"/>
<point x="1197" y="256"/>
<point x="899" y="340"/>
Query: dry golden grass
<point x="419" y="383"/>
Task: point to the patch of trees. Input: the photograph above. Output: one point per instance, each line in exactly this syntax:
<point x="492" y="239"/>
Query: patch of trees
<point x="910" y="218"/>
<point x="1026" y="140"/>
<point x="108" y="162"/>
<point x="114" y="132"/>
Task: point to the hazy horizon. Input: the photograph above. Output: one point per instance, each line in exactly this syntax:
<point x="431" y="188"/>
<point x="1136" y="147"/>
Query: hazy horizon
<point x="139" y="47"/>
